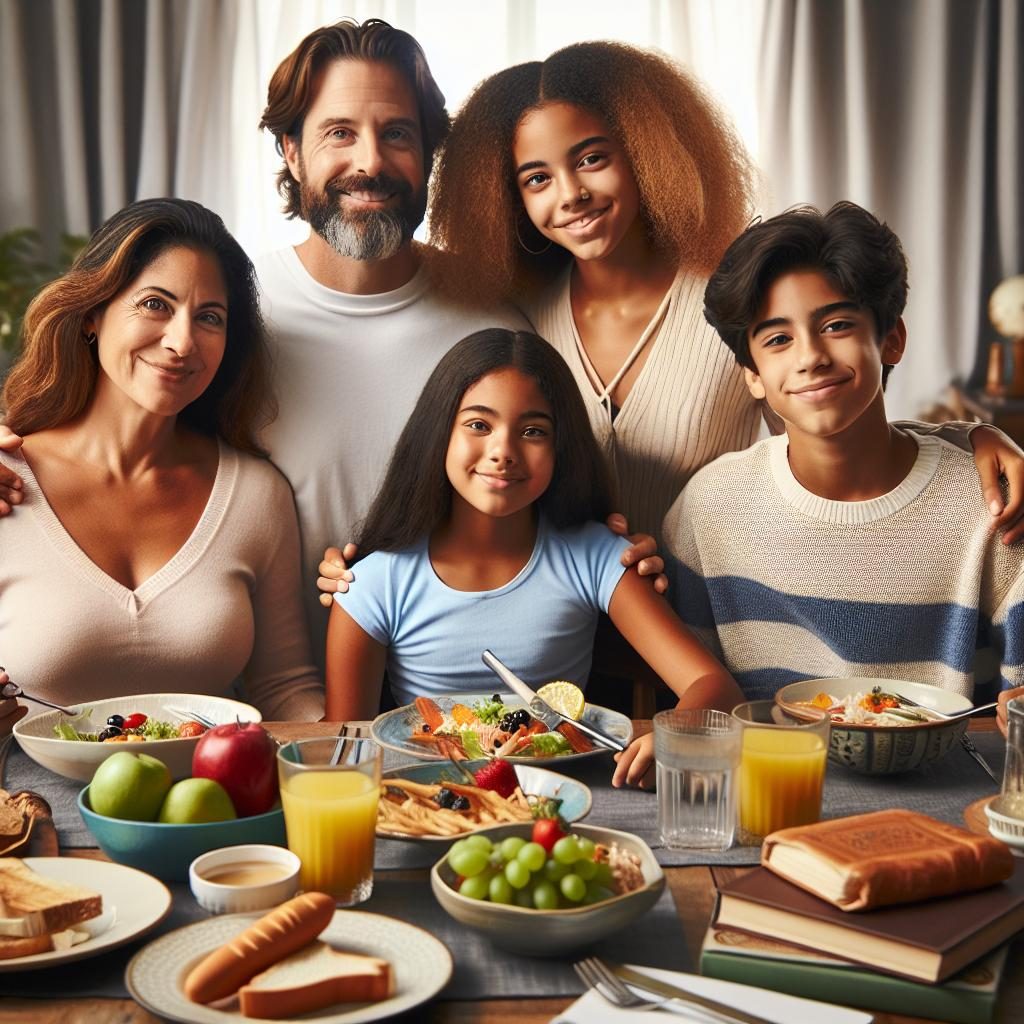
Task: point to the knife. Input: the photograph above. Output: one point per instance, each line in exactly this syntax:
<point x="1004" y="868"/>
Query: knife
<point x="662" y="988"/>
<point x="542" y="709"/>
<point x="968" y="744"/>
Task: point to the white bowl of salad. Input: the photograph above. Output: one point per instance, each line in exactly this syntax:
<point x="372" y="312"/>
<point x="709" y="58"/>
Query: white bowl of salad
<point x="74" y="747"/>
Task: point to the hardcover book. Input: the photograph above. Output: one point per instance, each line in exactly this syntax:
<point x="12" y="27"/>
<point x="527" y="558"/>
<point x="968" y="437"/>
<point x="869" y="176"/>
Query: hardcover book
<point x="927" y="941"/>
<point x="969" y="997"/>
<point x="894" y="856"/>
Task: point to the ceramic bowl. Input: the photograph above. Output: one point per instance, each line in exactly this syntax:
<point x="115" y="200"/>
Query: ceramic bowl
<point x="545" y="932"/>
<point x="166" y="851"/>
<point x="884" y="749"/>
<point x="533" y="781"/>
<point x="219" y="898"/>
<point x="79" y="759"/>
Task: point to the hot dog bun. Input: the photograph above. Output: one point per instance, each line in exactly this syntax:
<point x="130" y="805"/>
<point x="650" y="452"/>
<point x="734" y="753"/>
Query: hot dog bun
<point x="273" y="937"/>
<point x="314" y="977"/>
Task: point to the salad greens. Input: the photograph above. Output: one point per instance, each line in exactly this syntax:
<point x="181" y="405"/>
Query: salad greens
<point x="490" y="712"/>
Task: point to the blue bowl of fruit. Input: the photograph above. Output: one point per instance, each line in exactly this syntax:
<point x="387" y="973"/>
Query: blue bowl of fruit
<point x="140" y="817"/>
<point x="538" y="890"/>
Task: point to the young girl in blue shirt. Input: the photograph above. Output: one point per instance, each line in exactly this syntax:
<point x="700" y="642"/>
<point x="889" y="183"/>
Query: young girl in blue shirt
<point x="487" y="533"/>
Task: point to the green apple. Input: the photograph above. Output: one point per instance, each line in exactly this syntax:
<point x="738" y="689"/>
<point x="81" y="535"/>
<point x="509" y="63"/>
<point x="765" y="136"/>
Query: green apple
<point x="192" y="801"/>
<point x="129" y="785"/>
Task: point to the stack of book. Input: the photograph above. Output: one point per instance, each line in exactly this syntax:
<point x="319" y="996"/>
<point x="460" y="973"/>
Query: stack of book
<point x="891" y="911"/>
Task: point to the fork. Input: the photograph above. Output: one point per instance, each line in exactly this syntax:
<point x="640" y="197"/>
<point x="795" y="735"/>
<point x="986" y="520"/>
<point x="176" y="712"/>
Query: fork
<point x="596" y="974"/>
<point x="965" y="741"/>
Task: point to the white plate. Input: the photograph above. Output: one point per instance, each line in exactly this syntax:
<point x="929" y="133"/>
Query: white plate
<point x="393" y="728"/>
<point x="141" y="901"/>
<point x="421" y="963"/>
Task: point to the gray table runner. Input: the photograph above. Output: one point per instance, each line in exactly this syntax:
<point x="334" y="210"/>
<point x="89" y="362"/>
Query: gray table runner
<point x="481" y="970"/>
<point x="943" y="791"/>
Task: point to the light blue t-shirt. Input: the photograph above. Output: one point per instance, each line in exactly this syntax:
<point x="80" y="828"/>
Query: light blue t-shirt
<point x="541" y="623"/>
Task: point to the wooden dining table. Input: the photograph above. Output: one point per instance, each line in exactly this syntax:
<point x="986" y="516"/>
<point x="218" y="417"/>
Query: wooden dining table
<point x="693" y="890"/>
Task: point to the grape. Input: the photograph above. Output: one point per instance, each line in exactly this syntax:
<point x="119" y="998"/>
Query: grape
<point x="532" y="855"/>
<point x="475" y="888"/>
<point x="499" y="890"/>
<point x="524" y="898"/>
<point x="468" y="862"/>
<point x="511" y="846"/>
<point x="586" y="869"/>
<point x="545" y="896"/>
<point x="573" y="887"/>
<point x="478" y="842"/>
<point x="517" y="874"/>
<point x="597" y="893"/>
<point x="587" y="847"/>
<point x="566" y="850"/>
<point x="554" y="872"/>
<point x="457" y="846"/>
<point x="603" y="875"/>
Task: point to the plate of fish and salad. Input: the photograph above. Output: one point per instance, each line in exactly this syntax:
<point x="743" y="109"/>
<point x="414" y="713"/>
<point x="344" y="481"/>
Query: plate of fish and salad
<point x="470" y="726"/>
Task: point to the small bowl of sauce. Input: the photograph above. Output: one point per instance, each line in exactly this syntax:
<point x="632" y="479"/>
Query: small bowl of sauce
<point x="237" y="879"/>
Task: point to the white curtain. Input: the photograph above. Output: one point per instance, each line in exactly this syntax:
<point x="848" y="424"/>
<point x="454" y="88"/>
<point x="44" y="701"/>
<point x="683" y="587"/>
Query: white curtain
<point x="911" y="108"/>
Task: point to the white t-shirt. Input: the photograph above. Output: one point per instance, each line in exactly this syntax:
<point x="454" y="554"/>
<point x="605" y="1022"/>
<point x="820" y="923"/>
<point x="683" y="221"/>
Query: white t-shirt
<point x="347" y="371"/>
<point x="541" y="623"/>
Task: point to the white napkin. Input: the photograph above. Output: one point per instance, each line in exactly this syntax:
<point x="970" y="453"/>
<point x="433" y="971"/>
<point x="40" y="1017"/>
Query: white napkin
<point x="592" y="1008"/>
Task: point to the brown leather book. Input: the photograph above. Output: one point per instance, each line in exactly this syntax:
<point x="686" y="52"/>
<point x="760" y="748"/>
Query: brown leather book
<point x="928" y="941"/>
<point x="875" y="860"/>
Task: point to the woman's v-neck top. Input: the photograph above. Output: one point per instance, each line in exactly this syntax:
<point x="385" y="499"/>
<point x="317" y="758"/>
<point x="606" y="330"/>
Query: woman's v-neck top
<point x="226" y="605"/>
<point x="688" y="404"/>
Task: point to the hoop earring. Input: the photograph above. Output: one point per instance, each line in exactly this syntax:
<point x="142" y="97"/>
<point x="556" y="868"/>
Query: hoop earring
<point x="526" y="248"/>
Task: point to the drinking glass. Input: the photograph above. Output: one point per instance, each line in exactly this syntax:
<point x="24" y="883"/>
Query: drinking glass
<point x="1013" y="772"/>
<point x="697" y="751"/>
<point x="782" y="768"/>
<point x="329" y="792"/>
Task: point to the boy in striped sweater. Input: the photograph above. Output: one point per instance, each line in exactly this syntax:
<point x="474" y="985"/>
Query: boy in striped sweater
<point x="844" y="546"/>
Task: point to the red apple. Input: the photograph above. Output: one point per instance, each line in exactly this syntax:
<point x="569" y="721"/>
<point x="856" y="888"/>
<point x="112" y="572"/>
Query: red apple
<point x="242" y="757"/>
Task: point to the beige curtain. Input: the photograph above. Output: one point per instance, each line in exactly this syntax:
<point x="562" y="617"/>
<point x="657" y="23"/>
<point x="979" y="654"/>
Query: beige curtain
<point x="911" y="107"/>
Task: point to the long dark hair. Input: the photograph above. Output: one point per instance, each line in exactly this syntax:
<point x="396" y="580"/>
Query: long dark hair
<point x="416" y="494"/>
<point x="54" y="380"/>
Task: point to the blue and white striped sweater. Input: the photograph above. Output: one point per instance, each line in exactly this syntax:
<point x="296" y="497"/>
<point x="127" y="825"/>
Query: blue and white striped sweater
<point x="785" y="585"/>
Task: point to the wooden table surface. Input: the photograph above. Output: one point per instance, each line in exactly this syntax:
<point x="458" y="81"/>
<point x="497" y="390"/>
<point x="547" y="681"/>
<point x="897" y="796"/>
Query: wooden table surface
<point x="692" y="888"/>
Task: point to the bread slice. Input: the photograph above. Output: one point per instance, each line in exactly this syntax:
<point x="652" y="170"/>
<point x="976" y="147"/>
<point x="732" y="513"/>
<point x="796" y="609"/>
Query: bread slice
<point x="32" y="905"/>
<point x="314" y="977"/>
<point x="11" y="948"/>
<point x="12" y="821"/>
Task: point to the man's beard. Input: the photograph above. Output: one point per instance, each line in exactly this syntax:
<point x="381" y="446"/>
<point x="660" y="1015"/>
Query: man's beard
<point x="363" y="234"/>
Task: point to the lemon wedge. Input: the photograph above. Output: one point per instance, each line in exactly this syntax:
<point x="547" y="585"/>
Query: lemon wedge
<point x="566" y="698"/>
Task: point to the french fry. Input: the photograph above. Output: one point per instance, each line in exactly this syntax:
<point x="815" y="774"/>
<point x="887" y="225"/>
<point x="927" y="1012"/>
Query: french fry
<point x="408" y="808"/>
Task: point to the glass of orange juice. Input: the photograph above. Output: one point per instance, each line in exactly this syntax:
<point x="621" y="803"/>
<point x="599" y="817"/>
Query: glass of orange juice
<point x="329" y="792"/>
<point x="782" y="768"/>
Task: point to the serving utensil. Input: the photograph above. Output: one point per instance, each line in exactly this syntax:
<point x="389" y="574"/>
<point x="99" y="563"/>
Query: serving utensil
<point x="941" y="714"/>
<point x="14" y="690"/>
<point x="190" y="716"/>
<point x="542" y="709"/>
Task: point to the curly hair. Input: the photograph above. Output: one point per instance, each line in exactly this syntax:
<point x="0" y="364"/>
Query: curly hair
<point x="55" y="377"/>
<point x="293" y="87"/>
<point x="694" y="176"/>
<point x="416" y="494"/>
<point x="849" y="245"/>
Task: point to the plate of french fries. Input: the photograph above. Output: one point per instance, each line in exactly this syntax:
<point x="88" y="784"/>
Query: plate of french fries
<point x="411" y="805"/>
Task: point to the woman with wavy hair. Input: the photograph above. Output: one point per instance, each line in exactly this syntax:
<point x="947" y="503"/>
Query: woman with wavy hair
<point x="155" y="548"/>
<point x="599" y="189"/>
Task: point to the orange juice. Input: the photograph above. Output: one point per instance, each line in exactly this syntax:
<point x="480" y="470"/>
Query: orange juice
<point x="781" y="775"/>
<point x="331" y="817"/>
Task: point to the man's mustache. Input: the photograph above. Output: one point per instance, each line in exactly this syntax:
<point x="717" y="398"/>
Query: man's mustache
<point x="380" y="184"/>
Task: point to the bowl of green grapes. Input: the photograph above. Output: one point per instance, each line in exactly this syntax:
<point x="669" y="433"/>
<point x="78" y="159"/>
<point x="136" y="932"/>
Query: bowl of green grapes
<point x="541" y="898"/>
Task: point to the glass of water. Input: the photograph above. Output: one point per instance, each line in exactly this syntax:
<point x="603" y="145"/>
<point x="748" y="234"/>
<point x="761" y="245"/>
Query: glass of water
<point x="697" y="752"/>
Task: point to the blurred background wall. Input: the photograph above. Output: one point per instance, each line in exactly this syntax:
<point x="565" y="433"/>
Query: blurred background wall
<point x="910" y="107"/>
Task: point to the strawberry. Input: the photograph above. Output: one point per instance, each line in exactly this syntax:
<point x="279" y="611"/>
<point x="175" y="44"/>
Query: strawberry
<point x="549" y="825"/>
<point x="498" y="775"/>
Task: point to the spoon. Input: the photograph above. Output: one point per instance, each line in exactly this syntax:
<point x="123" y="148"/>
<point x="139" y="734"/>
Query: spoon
<point x="14" y="690"/>
<point x="941" y="714"/>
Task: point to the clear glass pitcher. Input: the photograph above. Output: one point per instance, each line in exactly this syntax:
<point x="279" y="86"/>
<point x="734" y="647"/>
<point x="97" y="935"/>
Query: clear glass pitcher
<point x="1013" y="773"/>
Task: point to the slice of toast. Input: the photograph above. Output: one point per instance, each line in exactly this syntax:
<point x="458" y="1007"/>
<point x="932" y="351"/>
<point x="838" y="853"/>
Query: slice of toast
<point x="12" y="820"/>
<point x="11" y="948"/>
<point x="32" y="904"/>
<point x="314" y="977"/>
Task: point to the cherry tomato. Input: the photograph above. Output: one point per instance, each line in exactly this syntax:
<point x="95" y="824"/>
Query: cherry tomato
<point x="134" y="721"/>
